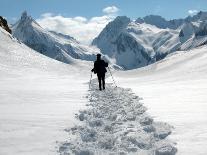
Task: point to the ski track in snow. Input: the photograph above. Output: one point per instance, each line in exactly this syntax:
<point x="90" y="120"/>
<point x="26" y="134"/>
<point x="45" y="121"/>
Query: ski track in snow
<point x="115" y="122"/>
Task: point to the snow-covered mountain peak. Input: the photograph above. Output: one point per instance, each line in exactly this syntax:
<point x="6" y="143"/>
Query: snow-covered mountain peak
<point x="54" y="45"/>
<point x="121" y="20"/>
<point x="24" y="16"/>
<point x="156" y="20"/>
<point x="161" y="22"/>
<point x="200" y="16"/>
<point x="134" y="44"/>
<point x="115" y="27"/>
<point x="187" y="31"/>
<point x="202" y="30"/>
<point x="26" y="20"/>
<point x="109" y="34"/>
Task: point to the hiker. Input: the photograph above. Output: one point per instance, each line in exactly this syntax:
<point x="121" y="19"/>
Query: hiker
<point x="100" y="69"/>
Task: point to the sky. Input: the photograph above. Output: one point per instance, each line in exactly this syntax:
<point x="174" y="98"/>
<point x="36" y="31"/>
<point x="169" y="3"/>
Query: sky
<point x="84" y="19"/>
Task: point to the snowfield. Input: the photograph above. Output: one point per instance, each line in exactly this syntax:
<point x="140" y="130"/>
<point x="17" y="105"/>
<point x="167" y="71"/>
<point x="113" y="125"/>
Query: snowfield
<point x="39" y="97"/>
<point x="174" y="91"/>
<point x="47" y="108"/>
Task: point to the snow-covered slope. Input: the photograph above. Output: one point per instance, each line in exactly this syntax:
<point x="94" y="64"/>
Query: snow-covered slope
<point x="134" y="44"/>
<point x="194" y="36"/>
<point x="39" y="97"/>
<point x="54" y="45"/>
<point x="174" y="89"/>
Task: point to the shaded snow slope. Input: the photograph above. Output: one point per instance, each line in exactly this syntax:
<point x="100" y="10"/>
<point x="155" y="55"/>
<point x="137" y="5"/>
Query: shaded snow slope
<point x="115" y="122"/>
<point x="54" y="45"/>
<point x="174" y="89"/>
<point x="39" y="97"/>
<point x="197" y="36"/>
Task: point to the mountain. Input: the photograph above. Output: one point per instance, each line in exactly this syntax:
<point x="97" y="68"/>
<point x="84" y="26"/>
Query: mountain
<point x="128" y="44"/>
<point x="198" y="38"/>
<point x="134" y="44"/>
<point x="160" y="22"/>
<point x="156" y="20"/>
<point x="110" y="33"/>
<point x="54" y="45"/>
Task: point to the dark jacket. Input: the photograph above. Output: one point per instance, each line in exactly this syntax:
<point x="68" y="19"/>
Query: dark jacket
<point x="100" y="67"/>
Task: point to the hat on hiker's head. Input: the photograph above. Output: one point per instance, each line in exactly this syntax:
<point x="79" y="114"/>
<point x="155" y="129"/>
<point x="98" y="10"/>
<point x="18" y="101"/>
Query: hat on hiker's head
<point x="98" y="55"/>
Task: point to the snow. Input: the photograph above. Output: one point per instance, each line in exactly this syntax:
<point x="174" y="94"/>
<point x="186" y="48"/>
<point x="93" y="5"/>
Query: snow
<point x="174" y="90"/>
<point x="135" y="44"/>
<point x="160" y="22"/>
<point x="115" y="122"/>
<point x="39" y="97"/>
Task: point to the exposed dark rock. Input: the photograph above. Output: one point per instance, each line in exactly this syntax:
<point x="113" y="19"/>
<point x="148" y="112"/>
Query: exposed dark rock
<point x="4" y="25"/>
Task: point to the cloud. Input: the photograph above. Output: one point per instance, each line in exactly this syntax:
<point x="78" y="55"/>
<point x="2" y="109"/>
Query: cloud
<point x="192" y="12"/>
<point x="45" y="15"/>
<point x="81" y="28"/>
<point x="110" y="10"/>
<point x="80" y="19"/>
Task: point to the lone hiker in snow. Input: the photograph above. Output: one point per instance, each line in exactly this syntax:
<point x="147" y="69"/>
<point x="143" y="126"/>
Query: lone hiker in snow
<point x="100" y="69"/>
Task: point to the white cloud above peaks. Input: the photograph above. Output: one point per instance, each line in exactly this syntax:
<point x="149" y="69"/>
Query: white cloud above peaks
<point x="192" y="12"/>
<point x="110" y="10"/>
<point x="82" y="28"/>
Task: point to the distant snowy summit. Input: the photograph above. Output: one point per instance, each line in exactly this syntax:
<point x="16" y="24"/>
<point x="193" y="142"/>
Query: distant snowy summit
<point x="160" y="22"/>
<point x="52" y="44"/>
<point x="134" y="44"/>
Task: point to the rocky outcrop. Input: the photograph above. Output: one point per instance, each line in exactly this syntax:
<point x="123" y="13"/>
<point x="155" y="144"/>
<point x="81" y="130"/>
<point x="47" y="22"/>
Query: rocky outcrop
<point x="4" y="25"/>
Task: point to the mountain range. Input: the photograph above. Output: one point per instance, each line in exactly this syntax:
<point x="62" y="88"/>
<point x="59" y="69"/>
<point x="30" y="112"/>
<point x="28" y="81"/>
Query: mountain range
<point x="135" y="44"/>
<point x="127" y="43"/>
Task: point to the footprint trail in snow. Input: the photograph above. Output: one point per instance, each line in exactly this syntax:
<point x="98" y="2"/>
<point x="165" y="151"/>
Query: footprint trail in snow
<point x="115" y="122"/>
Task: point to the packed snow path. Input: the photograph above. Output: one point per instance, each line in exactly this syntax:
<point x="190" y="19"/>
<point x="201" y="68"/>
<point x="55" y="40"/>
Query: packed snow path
<point x="115" y="122"/>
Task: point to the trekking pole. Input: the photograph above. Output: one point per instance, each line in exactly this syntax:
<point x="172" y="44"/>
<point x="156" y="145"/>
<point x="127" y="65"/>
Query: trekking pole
<point x="90" y="81"/>
<point x="112" y="77"/>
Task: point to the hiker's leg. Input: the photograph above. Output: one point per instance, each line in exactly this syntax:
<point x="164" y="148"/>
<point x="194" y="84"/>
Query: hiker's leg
<point x="103" y="80"/>
<point x="99" y="81"/>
